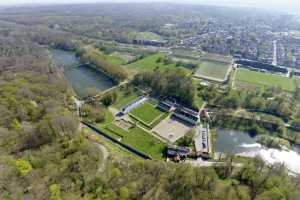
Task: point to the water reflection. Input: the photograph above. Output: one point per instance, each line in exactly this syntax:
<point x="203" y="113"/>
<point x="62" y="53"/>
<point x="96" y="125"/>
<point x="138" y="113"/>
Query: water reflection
<point x="241" y="143"/>
<point x="82" y="79"/>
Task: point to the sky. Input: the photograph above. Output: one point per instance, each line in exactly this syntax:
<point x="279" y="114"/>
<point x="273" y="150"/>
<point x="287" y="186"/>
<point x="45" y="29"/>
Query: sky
<point x="293" y="5"/>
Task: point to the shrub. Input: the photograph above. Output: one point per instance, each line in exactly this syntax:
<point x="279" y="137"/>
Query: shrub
<point x="23" y="167"/>
<point x="55" y="192"/>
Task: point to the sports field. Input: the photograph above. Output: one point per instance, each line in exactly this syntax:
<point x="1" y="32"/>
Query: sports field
<point x="212" y="70"/>
<point x="143" y="35"/>
<point x="246" y="77"/>
<point x="139" y="139"/>
<point x="148" y="36"/>
<point x="146" y="113"/>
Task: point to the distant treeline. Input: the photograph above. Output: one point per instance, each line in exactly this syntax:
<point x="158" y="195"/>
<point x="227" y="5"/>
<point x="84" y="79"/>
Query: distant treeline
<point x="260" y="65"/>
<point x="92" y="56"/>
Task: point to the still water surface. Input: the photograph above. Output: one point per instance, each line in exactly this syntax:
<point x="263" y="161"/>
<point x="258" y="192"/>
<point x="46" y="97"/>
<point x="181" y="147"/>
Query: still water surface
<point x="81" y="78"/>
<point x="241" y="143"/>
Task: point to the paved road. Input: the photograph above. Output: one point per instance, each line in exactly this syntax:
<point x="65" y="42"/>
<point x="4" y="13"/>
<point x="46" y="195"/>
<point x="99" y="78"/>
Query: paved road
<point x="110" y="89"/>
<point x="274" y="53"/>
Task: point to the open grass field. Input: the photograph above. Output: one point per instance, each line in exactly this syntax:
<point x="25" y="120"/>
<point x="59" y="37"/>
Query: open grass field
<point x="143" y="35"/>
<point x="149" y="63"/>
<point x="213" y="57"/>
<point x="146" y="113"/>
<point x="139" y="139"/>
<point x="186" y="53"/>
<point x="198" y="102"/>
<point x="113" y="58"/>
<point x="212" y="70"/>
<point x="258" y="79"/>
<point x="114" y="149"/>
<point x="109" y="118"/>
<point x="148" y="36"/>
<point x="124" y="57"/>
<point x="124" y="97"/>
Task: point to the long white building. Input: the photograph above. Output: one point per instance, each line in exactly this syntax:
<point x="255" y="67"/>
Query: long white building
<point x="129" y="107"/>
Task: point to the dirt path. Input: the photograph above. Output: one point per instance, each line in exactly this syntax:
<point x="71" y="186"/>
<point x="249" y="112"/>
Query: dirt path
<point x="105" y="155"/>
<point x="233" y="78"/>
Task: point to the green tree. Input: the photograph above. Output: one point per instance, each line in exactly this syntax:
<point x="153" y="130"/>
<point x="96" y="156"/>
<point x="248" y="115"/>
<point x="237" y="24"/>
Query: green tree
<point x="109" y="99"/>
<point x="23" y="167"/>
<point x="124" y="193"/>
<point x="55" y="192"/>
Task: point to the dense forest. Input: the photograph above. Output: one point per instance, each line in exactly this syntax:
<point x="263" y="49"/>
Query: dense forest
<point x="92" y="56"/>
<point x="168" y="83"/>
<point x="44" y="155"/>
<point x="43" y="152"/>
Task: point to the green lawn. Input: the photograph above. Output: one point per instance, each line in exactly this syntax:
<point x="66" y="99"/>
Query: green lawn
<point x="146" y="113"/>
<point x="187" y="53"/>
<point x="109" y="118"/>
<point x="259" y="79"/>
<point x="124" y="97"/>
<point x="112" y="58"/>
<point x="149" y="63"/>
<point x="142" y="36"/>
<point x="148" y="36"/>
<point x="114" y="149"/>
<point x="198" y="101"/>
<point x="139" y="139"/>
<point x="212" y="70"/>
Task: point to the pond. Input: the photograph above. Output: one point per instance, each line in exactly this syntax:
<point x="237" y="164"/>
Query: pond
<point x="242" y="144"/>
<point x="235" y="142"/>
<point x="82" y="78"/>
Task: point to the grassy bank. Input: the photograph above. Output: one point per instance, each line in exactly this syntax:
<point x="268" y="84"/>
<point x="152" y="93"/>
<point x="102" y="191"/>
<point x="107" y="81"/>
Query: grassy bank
<point x="139" y="139"/>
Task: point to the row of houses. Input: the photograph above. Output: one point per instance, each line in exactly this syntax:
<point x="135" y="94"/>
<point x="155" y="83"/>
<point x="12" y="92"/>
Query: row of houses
<point x="202" y="146"/>
<point x="264" y="67"/>
<point x="187" y="115"/>
<point x="166" y="105"/>
<point x="184" y="113"/>
<point x="157" y="43"/>
<point x="178" y="154"/>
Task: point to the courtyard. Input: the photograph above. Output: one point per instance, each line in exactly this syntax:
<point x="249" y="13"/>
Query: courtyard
<point x="172" y="129"/>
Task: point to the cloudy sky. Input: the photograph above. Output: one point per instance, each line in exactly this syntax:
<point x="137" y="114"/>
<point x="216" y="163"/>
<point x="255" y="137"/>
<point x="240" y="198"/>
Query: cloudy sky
<point x="279" y="4"/>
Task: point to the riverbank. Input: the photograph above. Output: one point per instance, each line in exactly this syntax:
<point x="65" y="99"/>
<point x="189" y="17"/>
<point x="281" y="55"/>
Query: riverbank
<point x="241" y="144"/>
<point x="255" y="124"/>
<point x="83" y="79"/>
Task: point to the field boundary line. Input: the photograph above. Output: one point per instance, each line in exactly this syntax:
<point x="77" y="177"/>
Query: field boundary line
<point x="143" y="122"/>
<point x="115" y="141"/>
